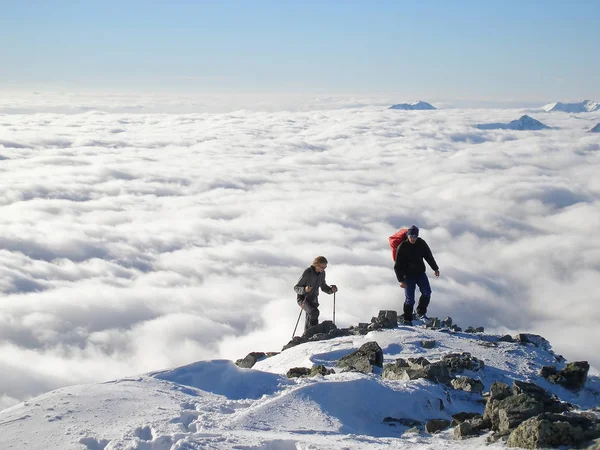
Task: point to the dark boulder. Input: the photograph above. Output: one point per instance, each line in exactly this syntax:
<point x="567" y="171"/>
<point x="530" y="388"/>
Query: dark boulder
<point x="364" y="359"/>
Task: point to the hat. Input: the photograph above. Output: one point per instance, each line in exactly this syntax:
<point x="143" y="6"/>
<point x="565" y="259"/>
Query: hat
<point x="413" y="231"/>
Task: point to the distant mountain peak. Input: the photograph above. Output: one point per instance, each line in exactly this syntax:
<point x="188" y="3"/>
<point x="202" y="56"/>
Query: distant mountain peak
<point x="596" y="129"/>
<point x="418" y="105"/>
<point x="526" y="123"/>
<point x="522" y="123"/>
<point x="578" y="107"/>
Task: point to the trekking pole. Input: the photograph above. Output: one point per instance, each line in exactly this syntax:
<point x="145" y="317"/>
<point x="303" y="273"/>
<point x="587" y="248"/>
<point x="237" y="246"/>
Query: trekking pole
<point x="298" y="321"/>
<point x="334" y="308"/>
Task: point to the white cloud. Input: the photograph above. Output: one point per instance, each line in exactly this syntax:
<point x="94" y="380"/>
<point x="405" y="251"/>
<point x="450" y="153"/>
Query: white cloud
<point x="180" y="236"/>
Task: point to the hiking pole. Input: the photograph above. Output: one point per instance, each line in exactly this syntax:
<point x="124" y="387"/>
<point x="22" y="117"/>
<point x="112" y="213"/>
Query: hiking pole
<point x="334" y="308"/>
<point x="298" y="321"/>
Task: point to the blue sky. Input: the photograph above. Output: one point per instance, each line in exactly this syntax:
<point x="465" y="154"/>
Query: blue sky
<point x="544" y="50"/>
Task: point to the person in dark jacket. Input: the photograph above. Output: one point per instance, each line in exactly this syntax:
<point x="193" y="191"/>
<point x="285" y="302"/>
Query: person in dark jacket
<point x="307" y="290"/>
<point x="410" y="272"/>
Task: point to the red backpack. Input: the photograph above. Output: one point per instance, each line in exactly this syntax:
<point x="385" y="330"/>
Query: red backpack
<point x="396" y="239"/>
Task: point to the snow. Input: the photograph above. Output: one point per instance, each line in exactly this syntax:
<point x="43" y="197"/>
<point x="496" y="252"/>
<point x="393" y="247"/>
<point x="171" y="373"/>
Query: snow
<point x="216" y="405"/>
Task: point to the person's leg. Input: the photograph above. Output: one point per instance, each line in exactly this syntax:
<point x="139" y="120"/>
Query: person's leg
<point x="409" y="301"/>
<point x="312" y="315"/>
<point x="423" y="282"/>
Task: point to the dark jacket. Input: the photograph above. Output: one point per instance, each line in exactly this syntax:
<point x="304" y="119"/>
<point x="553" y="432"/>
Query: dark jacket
<point x="409" y="259"/>
<point x="310" y="277"/>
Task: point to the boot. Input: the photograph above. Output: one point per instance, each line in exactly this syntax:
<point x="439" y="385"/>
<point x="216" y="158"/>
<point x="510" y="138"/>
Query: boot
<point x="408" y="314"/>
<point x="423" y="304"/>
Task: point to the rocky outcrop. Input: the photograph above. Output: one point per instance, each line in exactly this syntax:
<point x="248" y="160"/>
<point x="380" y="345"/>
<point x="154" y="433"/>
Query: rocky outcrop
<point x="459" y="362"/>
<point x="416" y="368"/>
<point x="526" y="400"/>
<point x="467" y="384"/>
<point x="428" y="344"/>
<point x="535" y="339"/>
<point x="555" y="430"/>
<point x="573" y="376"/>
<point x="321" y="332"/>
<point x="363" y="360"/>
<point x="252" y="358"/>
<point x="302" y="372"/>
<point x="385" y="319"/>
<point x="402" y="421"/>
<point x="436" y="425"/>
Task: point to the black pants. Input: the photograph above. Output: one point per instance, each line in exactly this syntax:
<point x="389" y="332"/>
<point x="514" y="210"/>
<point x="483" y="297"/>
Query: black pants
<point x="311" y="308"/>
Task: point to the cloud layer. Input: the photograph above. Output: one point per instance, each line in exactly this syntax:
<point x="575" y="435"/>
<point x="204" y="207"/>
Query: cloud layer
<point x="132" y="242"/>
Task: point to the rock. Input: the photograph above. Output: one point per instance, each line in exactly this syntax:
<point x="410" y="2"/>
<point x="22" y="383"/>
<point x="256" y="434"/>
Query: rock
<point x="297" y="340"/>
<point x="388" y="319"/>
<point x="403" y="421"/>
<point x="535" y="339"/>
<point x="396" y="370"/>
<point x="506" y="338"/>
<point x="428" y="344"/>
<point x="436" y="425"/>
<point x="363" y="360"/>
<point x="320" y="369"/>
<point x="418" y="362"/>
<point x="324" y="327"/>
<point x="531" y="389"/>
<point x="250" y="359"/>
<point x="465" y="430"/>
<point x="296" y="372"/>
<point x="467" y="384"/>
<point x="552" y="430"/>
<point x="417" y="368"/>
<point x="514" y="410"/>
<point x="499" y="391"/>
<point x="575" y="375"/>
<point x="458" y="362"/>
<point x="487" y="344"/>
<point x="375" y="326"/>
<point x="462" y="417"/>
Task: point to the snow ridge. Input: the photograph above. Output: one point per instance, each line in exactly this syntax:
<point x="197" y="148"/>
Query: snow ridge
<point x="218" y="405"/>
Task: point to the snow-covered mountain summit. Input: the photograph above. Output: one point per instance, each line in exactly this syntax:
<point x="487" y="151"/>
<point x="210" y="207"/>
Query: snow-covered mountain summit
<point x="578" y="107"/>
<point x="418" y="105"/>
<point x="522" y="124"/>
<point x="596" y="129"/>
<point x="389" y="388"/>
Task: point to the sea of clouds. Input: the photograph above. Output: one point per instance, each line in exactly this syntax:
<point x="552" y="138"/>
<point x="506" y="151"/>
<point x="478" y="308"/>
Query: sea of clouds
<point x="133" y="241"/>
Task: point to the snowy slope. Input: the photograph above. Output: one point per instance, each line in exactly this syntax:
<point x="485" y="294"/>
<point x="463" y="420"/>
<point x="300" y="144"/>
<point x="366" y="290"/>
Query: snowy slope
<point x="216" y="405"/>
